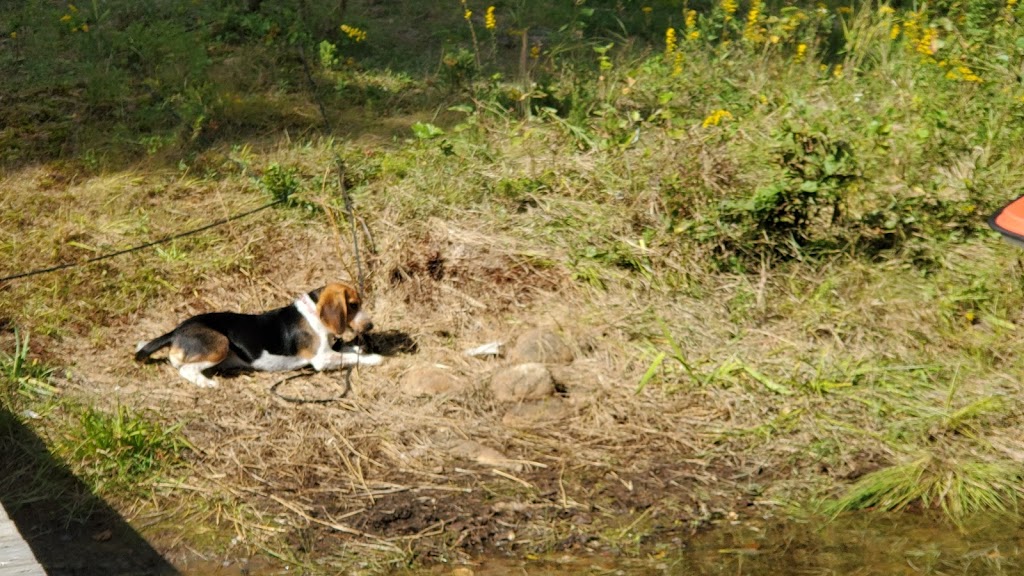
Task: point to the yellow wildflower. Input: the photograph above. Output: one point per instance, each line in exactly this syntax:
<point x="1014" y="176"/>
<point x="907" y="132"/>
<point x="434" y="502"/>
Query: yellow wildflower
<point x="845" y="10"/>
<point x="926" y="44"/>
<point x="801" y="52"/>
<point x="468" y="14"/>
<point x="691" y="25"/>
<point x="535" y="51"/>
<point x="65" y="18"/>
<point x="72" y="8"/>
<point x="963" y="73"/>
<point x="670" y="42"/>
<point x="489" y="22"/>
<point x="729" y="7"/>
<point x="886" y="10"/>
<point x="14" y="35"/>
<point x="752" y="32"/>
<point x="838" y="71"/>
<point x="647" y="9"/>
<point x="716" y="117"/>
<point x="85" y="27"/>
<point x="677" y="64"/>
<point x="1011" y="4"/>
<point x="354" y="33"/>
<point x="894" y="33"/>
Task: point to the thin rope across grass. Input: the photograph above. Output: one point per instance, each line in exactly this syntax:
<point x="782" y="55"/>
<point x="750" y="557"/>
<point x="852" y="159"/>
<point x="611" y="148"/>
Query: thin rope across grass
<point x="163" y="240"/>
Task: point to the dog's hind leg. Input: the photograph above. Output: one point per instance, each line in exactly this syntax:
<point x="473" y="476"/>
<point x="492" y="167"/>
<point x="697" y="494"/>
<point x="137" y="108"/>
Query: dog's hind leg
<point x="193" y="372"/>
<point x="196" y="351"/>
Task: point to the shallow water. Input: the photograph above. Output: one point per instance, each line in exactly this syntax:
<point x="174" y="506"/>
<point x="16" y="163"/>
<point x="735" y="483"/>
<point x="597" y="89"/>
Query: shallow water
<point x="863" y="545"/>
<point x="860" y="545"/>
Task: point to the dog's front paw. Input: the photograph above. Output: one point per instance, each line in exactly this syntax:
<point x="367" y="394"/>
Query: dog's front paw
<point x="368" y="359"/>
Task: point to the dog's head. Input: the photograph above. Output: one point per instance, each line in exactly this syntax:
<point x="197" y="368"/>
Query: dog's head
<point x="341" y="309"/>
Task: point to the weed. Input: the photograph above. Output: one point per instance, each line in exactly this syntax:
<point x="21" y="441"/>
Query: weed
<point x="22" y="378"/>
<point x="122" y="450"/>
<point x="959" y="486"/>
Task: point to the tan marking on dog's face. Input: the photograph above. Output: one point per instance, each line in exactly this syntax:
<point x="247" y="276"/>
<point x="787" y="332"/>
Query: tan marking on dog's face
<point x="340" y="308"/>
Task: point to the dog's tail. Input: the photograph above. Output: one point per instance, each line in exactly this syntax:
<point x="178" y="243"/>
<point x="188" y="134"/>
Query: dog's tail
<point x="144" y="349"/>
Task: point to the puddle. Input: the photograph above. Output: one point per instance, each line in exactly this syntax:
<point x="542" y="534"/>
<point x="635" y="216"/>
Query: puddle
<point x="861" y="545"/>
<point x="896" y="545"/>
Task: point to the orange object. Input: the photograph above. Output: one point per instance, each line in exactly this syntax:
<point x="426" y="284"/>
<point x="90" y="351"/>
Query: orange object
<point x="1009" y="221"/>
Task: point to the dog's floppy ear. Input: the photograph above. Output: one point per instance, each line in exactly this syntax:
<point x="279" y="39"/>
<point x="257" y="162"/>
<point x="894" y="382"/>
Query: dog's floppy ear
<point x="332" y="307"/>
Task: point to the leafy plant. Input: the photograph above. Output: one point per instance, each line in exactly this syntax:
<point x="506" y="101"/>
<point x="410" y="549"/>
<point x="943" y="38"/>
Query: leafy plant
<point x="20" y="376"/>
<point x="806" y="202"/>
<point x="123" y="448"/>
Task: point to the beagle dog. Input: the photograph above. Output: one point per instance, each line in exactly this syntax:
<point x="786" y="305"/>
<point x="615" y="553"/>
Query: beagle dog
<point x="298" y="335"/>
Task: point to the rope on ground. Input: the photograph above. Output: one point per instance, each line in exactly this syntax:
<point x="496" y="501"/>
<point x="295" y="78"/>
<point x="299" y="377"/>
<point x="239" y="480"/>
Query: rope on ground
<point x="163" y="240"/>
<point x="297" y="400"/>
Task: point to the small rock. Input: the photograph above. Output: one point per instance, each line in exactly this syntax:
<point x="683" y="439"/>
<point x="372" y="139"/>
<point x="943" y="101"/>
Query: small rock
<point x="429" y="381"/>
<point x="541" y="345"/>
<point x="534" y="414"/>
<point x="530" y="381"/>
<point x="462" y="571"/>
<point x="481" y="454"/>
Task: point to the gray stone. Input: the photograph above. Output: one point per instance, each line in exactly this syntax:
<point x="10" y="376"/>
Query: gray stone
<point x="541" y="345"/>
<point x="531" y="381"/>
<point x="429" y="381"/>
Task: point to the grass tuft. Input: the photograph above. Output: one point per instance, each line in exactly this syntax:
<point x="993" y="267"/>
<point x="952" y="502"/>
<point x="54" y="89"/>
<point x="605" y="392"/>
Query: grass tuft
<point x="959" y="487"/>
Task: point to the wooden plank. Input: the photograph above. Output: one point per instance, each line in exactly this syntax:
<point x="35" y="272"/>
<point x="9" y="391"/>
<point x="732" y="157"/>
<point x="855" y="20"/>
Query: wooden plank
<point x="16" y="558"/>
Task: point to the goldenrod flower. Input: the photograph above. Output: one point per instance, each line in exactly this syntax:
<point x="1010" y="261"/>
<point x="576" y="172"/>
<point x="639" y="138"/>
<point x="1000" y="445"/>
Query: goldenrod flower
<point x="693" y="35"/>
<point x="716" y="117"/>
<point x="894" y="33"/>
<point x="647" y="9"/>
<point x="926" y="44"/>
<point x="65" y="18"/>
<point x="801" y="52"/>
<point x="85" y="27"/>
<point x="535" y="51"/>
<point x="677" y="64"/>
<point x="691" y="19"/>
<point x="729" y="7"/>
<point x="752" y="32"/>
<point x="72" y="8"/>
<point x="489" y="22"/>
<point x="963" y="73"/>
<point x="670" y="42"/>
<point x="838" y="71"/>
<point x="354" y="33"/>
<point x="468" y="14"/>
<point x="885" y="10"/>
<point x="1011" y="4"/>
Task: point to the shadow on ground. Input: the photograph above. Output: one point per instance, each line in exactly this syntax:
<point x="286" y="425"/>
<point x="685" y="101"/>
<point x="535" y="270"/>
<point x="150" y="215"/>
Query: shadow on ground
<point x="71" y="530"/>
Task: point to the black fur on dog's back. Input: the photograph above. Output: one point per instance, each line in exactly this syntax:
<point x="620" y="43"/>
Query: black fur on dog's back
<point x="259" y="331"/>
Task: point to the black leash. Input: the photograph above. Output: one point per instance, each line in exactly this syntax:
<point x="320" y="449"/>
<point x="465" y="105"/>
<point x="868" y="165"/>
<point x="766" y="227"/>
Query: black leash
<point x="350" y="214"/>
<point x="297" y="400"/>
